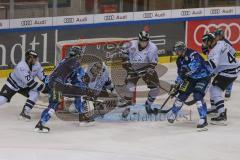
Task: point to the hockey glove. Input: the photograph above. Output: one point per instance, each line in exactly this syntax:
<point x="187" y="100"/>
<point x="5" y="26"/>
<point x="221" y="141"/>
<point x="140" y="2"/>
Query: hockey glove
<point x="174" y="89"/>
<point x="184" y="72"/>
<point x="127" y="66"/>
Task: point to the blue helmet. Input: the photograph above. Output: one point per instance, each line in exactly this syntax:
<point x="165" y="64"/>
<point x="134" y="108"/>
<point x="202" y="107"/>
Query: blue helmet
<point x="75" y="51"/>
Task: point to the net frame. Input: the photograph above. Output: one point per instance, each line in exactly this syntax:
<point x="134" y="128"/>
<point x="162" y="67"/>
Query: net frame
<point x="62" y="46"/>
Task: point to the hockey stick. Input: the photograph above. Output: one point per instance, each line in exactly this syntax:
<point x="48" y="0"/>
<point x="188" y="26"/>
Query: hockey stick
<point x="40" y="106"/>
<point x="189" y="103"/>
<point x="164" y="103"/>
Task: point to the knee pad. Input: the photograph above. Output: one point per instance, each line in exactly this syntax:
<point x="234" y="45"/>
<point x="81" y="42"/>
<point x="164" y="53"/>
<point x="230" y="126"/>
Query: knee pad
<point x="33" y="96"/>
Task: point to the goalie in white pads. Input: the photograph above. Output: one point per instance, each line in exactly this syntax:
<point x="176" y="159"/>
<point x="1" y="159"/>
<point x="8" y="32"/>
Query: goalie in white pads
<point x="141" y="58"/>
<point x="21" y="80"/>
<point x="226" y="67"/>
<point x="96" y="78"/>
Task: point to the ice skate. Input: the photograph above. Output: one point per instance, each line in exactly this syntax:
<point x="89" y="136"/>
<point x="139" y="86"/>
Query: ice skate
<point x="24" y="115"/>
<point x="171" y="117"/>
<point x="202" y="124"/>
<point x="220" y="119"/>
<point x="40" y="128"/>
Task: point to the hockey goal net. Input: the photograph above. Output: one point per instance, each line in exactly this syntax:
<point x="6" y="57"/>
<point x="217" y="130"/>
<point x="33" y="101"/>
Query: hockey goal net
<point x="96" y="49"/>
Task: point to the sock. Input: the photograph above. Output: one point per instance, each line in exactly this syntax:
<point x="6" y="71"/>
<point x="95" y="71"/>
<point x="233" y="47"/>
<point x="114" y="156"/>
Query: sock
<point x="48" y="112"/>
<point x="212" y="104"/>
<point x="220" y="106"/>
<point x="177" y="106"/>
<point x="28" y="106"/>
<point x="150" y="100"/>
<point x="202" y="109"/>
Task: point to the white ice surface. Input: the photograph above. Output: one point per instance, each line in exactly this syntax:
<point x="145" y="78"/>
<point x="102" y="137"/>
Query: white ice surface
<point x="119" y="140"/>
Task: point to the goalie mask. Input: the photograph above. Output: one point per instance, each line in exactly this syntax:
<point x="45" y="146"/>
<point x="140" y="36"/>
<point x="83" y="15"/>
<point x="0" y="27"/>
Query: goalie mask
<point x="96" y="69"/>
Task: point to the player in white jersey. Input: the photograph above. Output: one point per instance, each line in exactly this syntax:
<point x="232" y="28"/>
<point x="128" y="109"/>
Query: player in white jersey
<point x="140" y="61"/>
<point x="21" y="80"/>
<point x="226" y="67"/>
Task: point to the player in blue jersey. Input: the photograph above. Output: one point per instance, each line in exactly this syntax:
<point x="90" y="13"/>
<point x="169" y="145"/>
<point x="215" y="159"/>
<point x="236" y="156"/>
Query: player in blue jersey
<point x="57" y="83"/>
<point x="78" y="78"/>
<point x="193" y="78"/>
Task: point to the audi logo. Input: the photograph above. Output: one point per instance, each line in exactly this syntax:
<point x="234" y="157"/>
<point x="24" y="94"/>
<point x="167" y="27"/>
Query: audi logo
<point x="231" y="30"/>
<point x="26" y="23"/>
<point x="147" y="15"/>
<point x="215" y="11"/>
<point x="185" y="13"/>
<point x="109" y="17"/>
<point x="68" y="20"/>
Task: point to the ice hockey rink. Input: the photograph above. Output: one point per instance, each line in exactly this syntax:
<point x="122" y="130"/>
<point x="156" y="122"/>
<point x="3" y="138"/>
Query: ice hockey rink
<point x="120" y="140"/>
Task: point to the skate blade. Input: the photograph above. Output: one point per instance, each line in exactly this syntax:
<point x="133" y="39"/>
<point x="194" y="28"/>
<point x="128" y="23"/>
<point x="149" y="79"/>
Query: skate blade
<point x="219" y="123"/>
<point x="37" y="130"/>
<point x="202" y="129"/>
<point x="21" y="118"/>
<point x="86" y="124"/>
